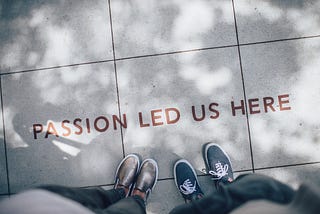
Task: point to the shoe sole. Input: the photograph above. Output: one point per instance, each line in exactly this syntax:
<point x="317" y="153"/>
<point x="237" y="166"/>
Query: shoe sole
<point x="175" y="174"/>
<point x="130" y="155"/>
<point x="206" y="147"/>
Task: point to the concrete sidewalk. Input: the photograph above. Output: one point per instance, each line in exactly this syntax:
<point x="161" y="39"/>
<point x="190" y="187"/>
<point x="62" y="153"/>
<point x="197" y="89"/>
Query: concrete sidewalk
<point x="83" y="83"/>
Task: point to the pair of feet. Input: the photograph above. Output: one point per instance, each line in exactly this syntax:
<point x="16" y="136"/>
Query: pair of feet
<point x="218" y="165"/>
<point x="136" y="179"/>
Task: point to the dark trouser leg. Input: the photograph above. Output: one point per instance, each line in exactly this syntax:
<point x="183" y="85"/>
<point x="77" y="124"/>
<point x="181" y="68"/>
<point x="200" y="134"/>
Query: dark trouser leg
<point x="101" y="201"/>
<point x="243" y="189"/>
<point x="130" y="205"/>
<point x="92" y="198"/>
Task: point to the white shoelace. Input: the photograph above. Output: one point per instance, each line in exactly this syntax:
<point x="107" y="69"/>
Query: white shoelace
<point x="220" y="171"/>
<point x="187" y="187"/>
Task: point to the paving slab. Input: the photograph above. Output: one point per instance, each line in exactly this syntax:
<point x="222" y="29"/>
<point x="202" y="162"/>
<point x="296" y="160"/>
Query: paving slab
<point x="3" y="168"/>
<point x="36" y="34"/>
<point x="59" y="127"/>
<point x="288" y="71"/>
<point x="294" y="176"/>
<point x="149" y="26"/>
<point x="157" y="95"/>
<point x="276" y="19"/>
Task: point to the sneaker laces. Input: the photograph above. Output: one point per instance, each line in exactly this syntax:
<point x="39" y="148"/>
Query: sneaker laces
<point x="220" y="172"/>
<point x="187" y="187"/>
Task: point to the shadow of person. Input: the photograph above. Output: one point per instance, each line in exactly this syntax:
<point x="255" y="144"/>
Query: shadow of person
<point x="60" y="160"/>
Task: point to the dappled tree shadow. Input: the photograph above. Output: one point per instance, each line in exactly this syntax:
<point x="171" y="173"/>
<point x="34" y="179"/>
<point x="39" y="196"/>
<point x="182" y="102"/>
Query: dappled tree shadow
<point x="40" y="97"/>
<point x="42" y="34"/>
<point x="38" y="34"/>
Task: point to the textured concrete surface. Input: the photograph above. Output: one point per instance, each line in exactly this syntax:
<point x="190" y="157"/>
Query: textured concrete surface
<point x="3" y="167"/>
<point x="275" y="20"/>
<point x="170" y="81"/>
<point x="148" y="27"/>
<point x="70" y="159"/>
<point x="85" y="83"/>
<point x="291" y="67"/>
<point x="51" y="33"/>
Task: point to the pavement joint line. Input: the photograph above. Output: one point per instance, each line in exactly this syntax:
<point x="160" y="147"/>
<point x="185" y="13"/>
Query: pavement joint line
<point x="116" y="77"/>
<point x="249" y="170"/>
<point x="160" y="54"/>
<point x="288" y="165"/>
<point x="4" y="140"/>
<point x="175" y="52"/>
<point x="202" y="175"/>
<point x="243" y="87"/>
<point x="279" y="40"/>
<point x="55" y="67"/>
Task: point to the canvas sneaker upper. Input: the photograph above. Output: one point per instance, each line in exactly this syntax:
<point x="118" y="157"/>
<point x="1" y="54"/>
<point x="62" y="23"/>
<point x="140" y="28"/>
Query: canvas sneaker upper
<point x="218" y="163"/>
<point x="186" y="181"/>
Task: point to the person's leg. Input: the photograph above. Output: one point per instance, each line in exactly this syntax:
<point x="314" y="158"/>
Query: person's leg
<point x="186" y="181"/>
<point x="243" y="189"/>
<point x="246" y="187"/>
<point x="145" y="183"/>
<point x="97" y="199"/>
<point x="102" y="201"/>
<point x="230" y="194"/>
<point x="130" y="205"/>
<point x="92" y="198"/>
<point x="217" y="164"/>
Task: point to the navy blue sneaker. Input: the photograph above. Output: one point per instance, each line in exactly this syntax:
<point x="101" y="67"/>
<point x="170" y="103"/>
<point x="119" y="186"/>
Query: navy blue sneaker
<point x="218" y="163"/>
<point x="186" y="181"/>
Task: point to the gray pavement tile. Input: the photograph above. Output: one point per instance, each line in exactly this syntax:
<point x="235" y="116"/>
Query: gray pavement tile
<point x="295" y="175"/>
<point x="276" y="19"/>
<point x="151" y="86"/>
<point x="3" y="170"/>
<point x="36" y="34"/>
<point x="75" y="103"/>
<point x="149" y="27"/>
<point x="289" y="70"/>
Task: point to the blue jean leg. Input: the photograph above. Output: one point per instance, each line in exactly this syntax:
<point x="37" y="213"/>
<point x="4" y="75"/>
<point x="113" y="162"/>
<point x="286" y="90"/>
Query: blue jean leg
<point x="99" y="200"/>
<point x="244" y="188"/>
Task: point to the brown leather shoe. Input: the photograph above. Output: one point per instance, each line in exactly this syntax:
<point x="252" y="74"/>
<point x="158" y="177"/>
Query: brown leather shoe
<point x="147" y="177"/>
<point x="126" y="172"/>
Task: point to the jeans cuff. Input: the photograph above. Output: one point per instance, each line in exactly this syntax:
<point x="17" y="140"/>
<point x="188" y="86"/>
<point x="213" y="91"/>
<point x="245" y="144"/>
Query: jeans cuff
<point x="140" y="201"/>
<point x="121" y="192"/>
